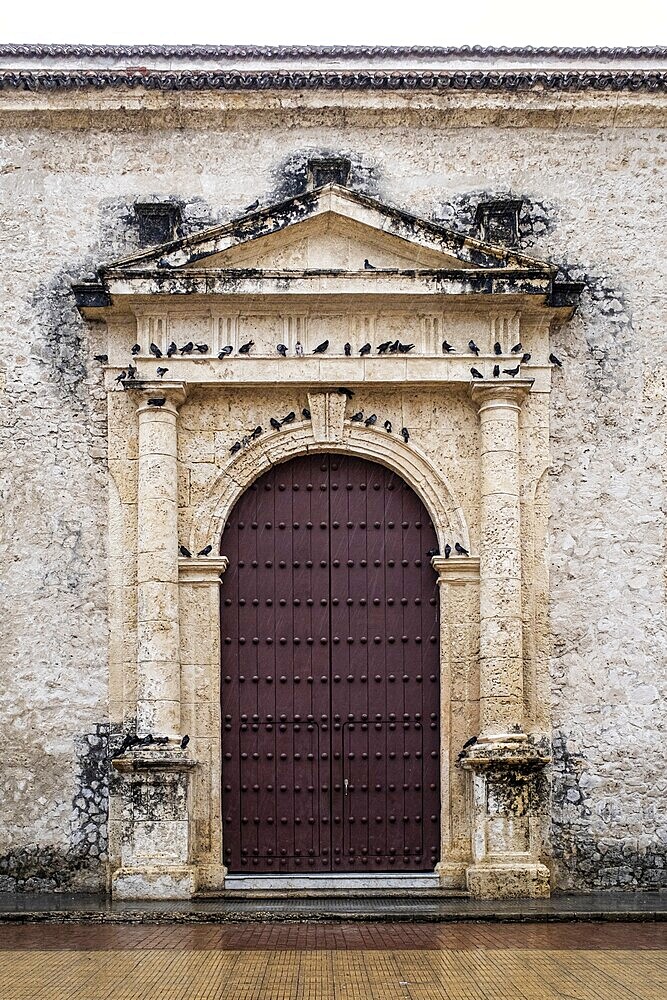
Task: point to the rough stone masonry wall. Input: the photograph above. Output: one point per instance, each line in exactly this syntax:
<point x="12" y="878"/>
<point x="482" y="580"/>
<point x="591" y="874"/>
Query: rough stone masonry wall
<point x="65" y="204"/>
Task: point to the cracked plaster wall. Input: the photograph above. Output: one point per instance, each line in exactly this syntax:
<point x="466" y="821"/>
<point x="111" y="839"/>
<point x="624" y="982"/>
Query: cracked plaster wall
<point x="65" y="200"/>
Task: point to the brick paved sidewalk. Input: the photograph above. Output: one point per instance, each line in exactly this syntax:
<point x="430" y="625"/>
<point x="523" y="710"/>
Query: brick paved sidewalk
<point x="574" y="961"/>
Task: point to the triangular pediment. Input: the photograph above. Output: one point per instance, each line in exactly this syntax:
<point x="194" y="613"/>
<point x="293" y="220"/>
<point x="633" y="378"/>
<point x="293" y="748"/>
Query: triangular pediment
<point x="331" y="229"/>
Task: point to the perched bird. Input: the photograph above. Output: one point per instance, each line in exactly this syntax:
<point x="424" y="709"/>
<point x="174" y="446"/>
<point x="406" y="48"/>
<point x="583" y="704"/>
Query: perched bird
<point x="555" y="361"/>
<point x="387" y="426"/>
<point x="289" y="419"/>
<point x="187" y="348"/>
<point x="525" y="359"/>
<point x="245" y="348"/>
<point x="366" y="349"/>
<point x="368" y="266"/>
<point x="226" y="351"/>
<point x="155" y="351"/>
<point x="497" y="348"/>
<point x="473" y="347"/>
<point x="405" y="434"/>
<point x="298" y="349"/>
<point x="433" y="552"/>
<point x="202" y="348"/>
<point x="448" y="551"/>
<point x="357" y="417"/>
<point x="469" y="743"/>
<point x="518" y="348"/>
<point x="171" y="350"/>
<point x="184" y="742"/>
<point x="136" y="349"/>
<point x="102" y="358"/>
<point x="475" y="373"/>
<point x="369" y="421"/>
<point x="305" y="413"/>
<point x="348" y="350"/>
<point x="393" y="348"/>
<point x="275" y="423"/>
<point x="205" y="551"/>
<point x="496" y="371"/>
<point x="321" y="348"/>
<point x="447" y="348"/>
<point x="162" y="372"/>
<point x="512" y="371"/>
<point x="157" y="401"/>
<point x="460" y="550"/>
<point x="131" y="371"/>
<point x="121" y="377"/>
<point x="342" y="391"/>
<point x="405" y="348"/>
<point x="185" y="552"/>
<point x="282" y="350"/>
<point x="256" y="433"/>
<point x="384" y="347"/>
<point x="251" y="208"/>
<point x="235" y="447"/>
<point x="245" y="440"/>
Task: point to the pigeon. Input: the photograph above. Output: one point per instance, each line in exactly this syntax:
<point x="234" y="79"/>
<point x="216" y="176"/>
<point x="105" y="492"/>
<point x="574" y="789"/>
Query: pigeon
<point x="298" y="349"/>
<point x="448" y="551"/>
<point x="387" y="426"/>
<point x="245" y="348"/>
<point x="282" y="350"/>
<point x="245" y="440"/>
<point x="393" y="348"/>
<point x="473" y="347"/>
<point x="131" y="371"/>
<point x="235" y="447"/>
<point x="348" y="350"/>
<point x="475" y="373"/>
<point x="155" y="351"/>
<point x="290" y="418"/>
<point x="518" y="348"/>
<point x="157" y="401"/>
<point x="102" y="358"/>
<point x="162" y="372"/>
<point x="368" y="266"/>
<point x="366" y="349"/>
<point x="497" y="348"/>
<point x="184" y="742"/>
<point x="187" y="348"/>
<point x="525" y="359"/>
<point x="384" y="347"/>
<point x="251" y="208"/>
<point x="226" y="351"/>
<point x="121" y="377"/>
<point x="305" y="413"/>
<point x="171" y="349"/>
<point x="321" y="348"/>
<point x="405" y="434"/>
<point x="256" y="433"/>
<point x="135" y="350"/>
<point x="275" y="423"/>
<point x="447" y="348"/>
<point x="460" y="550"/>
<point x="555" y="361"/>
<point x="512" y="371"/>
<point x="496" y="371"/>
<point x="357" y="417"/>
<point x="342" y="391"/>
<point x="205" y="551"/>
<point x="469" y="743"/>
<point x="369" y="421"/>
<point x="405" y="348"/>
<point x="433" y="552"/>
<point x="202" y="348"/>
<point x="185" y="552"/>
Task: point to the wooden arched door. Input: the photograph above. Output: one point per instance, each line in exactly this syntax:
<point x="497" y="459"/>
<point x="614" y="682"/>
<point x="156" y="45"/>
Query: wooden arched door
<point x="330" y="673"/>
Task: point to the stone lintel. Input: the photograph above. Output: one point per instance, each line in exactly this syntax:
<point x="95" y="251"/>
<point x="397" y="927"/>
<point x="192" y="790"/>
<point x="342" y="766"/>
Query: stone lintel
<point x="520" y="751"/>
<point x="169" y="759"/>
<point x="456" y="569"/>
<point x="201" y="569"/>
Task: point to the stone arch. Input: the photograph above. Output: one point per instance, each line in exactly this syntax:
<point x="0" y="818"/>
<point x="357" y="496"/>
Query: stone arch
<point x="406" y="460"/>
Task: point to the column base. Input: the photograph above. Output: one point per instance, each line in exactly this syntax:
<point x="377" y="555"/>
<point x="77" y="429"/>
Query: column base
<point x="452" y="874"/>
<point x="154" y="883"/>
<point x="508" y="881"/>
<point x="211" y="878"/>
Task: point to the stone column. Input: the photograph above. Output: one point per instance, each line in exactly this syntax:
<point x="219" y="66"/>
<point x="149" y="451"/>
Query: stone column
<point x="500" y="639"/>
<point x="158" y="656"/>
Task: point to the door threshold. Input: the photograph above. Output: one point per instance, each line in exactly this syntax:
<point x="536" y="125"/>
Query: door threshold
<point x="339" y="883"/>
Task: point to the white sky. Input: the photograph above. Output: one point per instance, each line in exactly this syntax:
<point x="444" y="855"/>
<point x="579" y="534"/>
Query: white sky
<point x="337" y="22"/>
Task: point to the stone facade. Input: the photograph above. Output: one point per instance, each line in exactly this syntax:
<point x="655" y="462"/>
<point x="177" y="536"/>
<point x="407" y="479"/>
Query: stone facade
<point x="552" y="632"/>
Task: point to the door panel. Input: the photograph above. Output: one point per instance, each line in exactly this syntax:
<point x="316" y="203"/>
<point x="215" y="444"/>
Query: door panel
<point x="329" y="672"/>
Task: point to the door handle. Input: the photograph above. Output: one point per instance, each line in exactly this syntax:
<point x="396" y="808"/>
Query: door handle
<point x="345" y="784"/>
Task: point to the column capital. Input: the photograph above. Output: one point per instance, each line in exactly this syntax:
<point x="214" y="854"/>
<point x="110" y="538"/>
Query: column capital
<point x="202" y="569"/>
<point x="173" y="394"/>
<point x="491" y="395"/>
<point x="456" y="569"/>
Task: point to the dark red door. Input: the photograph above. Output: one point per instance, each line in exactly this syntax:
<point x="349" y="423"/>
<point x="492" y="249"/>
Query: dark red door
<point x="330" y="673"/>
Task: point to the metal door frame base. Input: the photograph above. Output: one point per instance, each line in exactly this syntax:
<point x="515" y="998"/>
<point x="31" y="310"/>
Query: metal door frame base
<point x="376" y="880"/>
